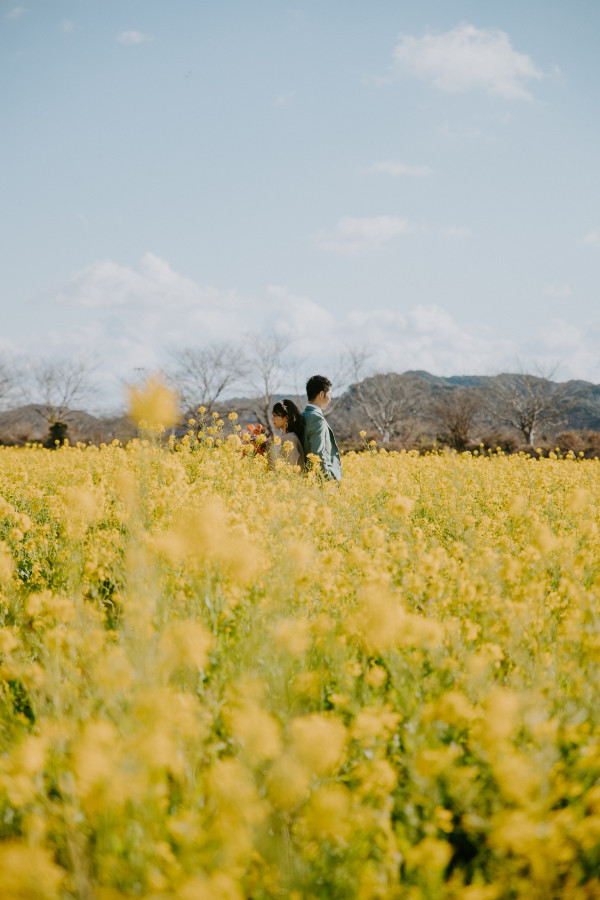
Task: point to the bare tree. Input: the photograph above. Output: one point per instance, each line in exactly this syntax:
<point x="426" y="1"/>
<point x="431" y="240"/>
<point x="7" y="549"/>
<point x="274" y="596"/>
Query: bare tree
<point x="202" y="375"/>
<point x="342" y="370"/>
<point x="390" y="403"/>
<point x="266" y="358"/>
<point x="528" y="402"/>
<point x="58" y="385"/>
<point x="10" y="378"/>
<point x="454" y="412"/>
<point x="349" y="367"/>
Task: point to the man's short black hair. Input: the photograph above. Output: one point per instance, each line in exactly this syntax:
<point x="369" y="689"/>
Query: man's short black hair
<point x="316" y="384"/>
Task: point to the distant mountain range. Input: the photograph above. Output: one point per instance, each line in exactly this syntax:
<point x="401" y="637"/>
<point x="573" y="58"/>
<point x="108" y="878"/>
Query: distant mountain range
<point x="584" y="413"/>
<point x="416" y="398"/>
<point x="583" y="396"/>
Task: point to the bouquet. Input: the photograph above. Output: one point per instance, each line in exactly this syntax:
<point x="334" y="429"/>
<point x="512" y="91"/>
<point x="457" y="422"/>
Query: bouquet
<point x="256" y="438"/>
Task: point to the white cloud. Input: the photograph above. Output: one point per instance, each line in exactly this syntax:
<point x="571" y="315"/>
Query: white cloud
<point x="15" y="13"/>
<point x="467" y="58"/>
<point x="151" y="287"/>
<point x="558" y="290"/>
<point x="467" y="133"/>
<point x="283" y="99"/>
<point x="298" y="318"/>
<point x="134" y="314"/>
<point x="68" y="27"/>
<point x="394" y="168"/>
<point x="427" y="337"/>
<point x="456" y="231"/>
<point x="576" y="349"/>
<point x="133" y="37"/>
<point x="129" y="316"/>
<point x="353" y="235"/>
<point x="378" y="80"/>
<point x="593" y="237"/>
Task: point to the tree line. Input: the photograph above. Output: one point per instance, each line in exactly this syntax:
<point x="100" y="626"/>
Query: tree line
<point x="531" y="406"/>
<point x="395" y="408"/>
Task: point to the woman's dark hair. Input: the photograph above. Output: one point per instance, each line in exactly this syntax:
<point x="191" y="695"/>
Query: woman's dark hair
<point x="288" y="409"/>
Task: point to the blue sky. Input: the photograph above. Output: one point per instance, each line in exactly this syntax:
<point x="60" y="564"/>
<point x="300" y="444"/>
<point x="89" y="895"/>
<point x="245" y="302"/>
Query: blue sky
<point x="418" y="178"/>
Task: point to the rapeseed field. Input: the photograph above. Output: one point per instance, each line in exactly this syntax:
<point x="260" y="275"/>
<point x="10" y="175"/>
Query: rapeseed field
<point x="222" y="680"/>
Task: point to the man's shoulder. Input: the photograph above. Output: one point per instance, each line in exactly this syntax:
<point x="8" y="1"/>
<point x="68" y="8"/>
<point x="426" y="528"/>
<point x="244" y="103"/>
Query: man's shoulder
<point x="311" y="412"/>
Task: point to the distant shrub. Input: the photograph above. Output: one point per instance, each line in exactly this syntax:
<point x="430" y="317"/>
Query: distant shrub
<point x="586" y="442"/>
<point x="57" y="434"/>
<point x="506" y="440"/>
<point x="569" y="440"/>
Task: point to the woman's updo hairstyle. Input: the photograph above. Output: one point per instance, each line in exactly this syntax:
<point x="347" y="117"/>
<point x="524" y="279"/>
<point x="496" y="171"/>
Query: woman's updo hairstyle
<point x="287" y="409"/>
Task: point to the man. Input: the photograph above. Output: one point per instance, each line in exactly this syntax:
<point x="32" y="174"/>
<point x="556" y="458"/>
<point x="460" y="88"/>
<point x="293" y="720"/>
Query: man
<point x="318" y="436"/>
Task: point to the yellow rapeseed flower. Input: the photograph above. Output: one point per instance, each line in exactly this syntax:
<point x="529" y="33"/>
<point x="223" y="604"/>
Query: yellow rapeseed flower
<point x="153" y="402"/>
<point x="318" y="741"/>
<point x="28" y="873"/>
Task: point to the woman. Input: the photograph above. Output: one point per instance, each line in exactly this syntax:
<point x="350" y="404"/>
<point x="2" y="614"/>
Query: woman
<point x="288" y="419"/>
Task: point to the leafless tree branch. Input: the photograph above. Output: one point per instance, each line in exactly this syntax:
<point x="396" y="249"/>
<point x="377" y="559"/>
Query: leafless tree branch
<point x="202" y="375"/>
<point x="390" y="403"/>
<point x="349" y="367"/>
<point x="455" y="412"/>
<point x="268" y="364"/>
<point x="58" y="385"/>
<point x="528" y="402"/>
<point x="10" y="380"/>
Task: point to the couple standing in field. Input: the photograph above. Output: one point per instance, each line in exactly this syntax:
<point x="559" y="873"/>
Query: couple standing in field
<point x="309" y="431"/>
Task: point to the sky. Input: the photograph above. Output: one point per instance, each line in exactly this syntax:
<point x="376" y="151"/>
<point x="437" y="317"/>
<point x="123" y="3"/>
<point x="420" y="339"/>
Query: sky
<point x="419" y="179"/>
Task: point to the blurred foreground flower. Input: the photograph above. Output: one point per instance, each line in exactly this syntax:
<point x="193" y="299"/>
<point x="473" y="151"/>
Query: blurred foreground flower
<point x="152" y="403"/>
<point x="28" y="872"/>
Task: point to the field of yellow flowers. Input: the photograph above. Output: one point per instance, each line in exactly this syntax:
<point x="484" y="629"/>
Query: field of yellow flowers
<point x="220" y="680"/>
